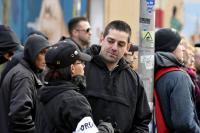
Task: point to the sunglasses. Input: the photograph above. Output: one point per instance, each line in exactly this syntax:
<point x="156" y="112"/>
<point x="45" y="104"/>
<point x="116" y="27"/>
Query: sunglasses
<point x="86" y="30"/>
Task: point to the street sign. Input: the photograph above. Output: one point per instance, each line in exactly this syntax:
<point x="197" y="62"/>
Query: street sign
<point x="150" y="4"/>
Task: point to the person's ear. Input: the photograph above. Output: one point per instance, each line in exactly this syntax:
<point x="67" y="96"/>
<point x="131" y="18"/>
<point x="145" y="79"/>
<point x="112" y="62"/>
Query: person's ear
<point x="72" y="68"/>
<point x="101" y="38"/>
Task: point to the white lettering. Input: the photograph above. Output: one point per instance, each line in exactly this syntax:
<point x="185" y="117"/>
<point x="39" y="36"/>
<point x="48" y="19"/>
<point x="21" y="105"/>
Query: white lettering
<point x="86" y="125"/>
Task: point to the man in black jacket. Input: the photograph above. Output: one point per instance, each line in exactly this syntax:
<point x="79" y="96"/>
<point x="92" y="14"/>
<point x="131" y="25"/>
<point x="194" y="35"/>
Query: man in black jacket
<point x="19" y="88"/>
<point x="114" y="90"/>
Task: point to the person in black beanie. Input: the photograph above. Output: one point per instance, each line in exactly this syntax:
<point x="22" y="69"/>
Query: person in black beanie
<point x="166" y="40"/>
<point x="19" y="88"/>
<point x="62" y="108"/>
<point x="175" y="88"/>
<point x="8" y="43"/>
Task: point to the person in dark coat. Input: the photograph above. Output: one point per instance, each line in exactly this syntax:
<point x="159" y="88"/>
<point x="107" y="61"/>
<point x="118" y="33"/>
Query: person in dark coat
<point x="62" y="109"/>
<point x="8" y="43"/>
<point x="112" y="86"/>
<point x="19" y="88"/>
<point x="18" y="55"/>
<point x="175" y="88"/>
<point x="10" y="64"/>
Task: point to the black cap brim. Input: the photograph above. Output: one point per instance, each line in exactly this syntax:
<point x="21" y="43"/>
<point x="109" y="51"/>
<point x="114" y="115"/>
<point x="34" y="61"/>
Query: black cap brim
<point x="84" y="57"/>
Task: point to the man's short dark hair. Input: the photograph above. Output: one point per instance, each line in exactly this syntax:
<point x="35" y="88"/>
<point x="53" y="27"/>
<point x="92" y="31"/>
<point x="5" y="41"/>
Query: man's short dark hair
<point x="118" y="25"/>
<point x="73" y="23"/>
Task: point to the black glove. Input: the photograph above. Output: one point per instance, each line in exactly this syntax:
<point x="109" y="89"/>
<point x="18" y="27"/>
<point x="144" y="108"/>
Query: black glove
<point x="116" y="129"/>
<point x="114" y="124"/>
<point x="105" y="127"/>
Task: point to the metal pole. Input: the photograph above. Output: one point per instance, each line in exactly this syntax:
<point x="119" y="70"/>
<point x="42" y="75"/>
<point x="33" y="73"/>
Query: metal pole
<point x="146" y="46"/>
<point x="6" y="8"/>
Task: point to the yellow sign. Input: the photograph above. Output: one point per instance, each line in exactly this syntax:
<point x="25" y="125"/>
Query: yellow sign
<point x="148" y="36"/>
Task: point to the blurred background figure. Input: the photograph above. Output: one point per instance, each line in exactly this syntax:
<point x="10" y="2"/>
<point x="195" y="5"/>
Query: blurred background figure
<point x="188" y="57"/>
<point x="80" y="32"/>
<point x="9" y="43"/>
<point x="189" y="67"/>
<point x="174" y="22"/>
<point x="197" y="59"/>
<point x="197" y="68"/>
<point x="131" y="56"/>
<point x="50" y="19"/>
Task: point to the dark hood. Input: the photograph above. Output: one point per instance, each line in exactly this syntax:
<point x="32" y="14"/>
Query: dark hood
<point x="8" y="42"/>
<point x="166" y="59"/>
<point x="33" y="46"/>
<point x="53" y="89"/>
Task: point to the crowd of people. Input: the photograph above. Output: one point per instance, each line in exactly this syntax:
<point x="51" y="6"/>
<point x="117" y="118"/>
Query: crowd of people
<point x="75" y="87"/>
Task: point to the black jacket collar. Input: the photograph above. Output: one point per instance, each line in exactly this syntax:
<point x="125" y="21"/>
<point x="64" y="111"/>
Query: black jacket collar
<point x="53" y="89"/>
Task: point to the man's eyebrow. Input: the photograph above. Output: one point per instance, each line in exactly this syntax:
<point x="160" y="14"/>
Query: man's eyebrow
<point x="110" y="38"/>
